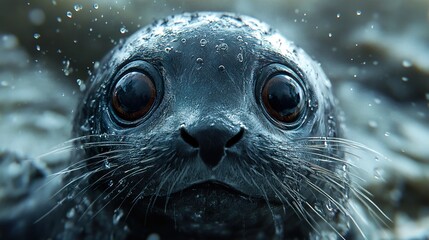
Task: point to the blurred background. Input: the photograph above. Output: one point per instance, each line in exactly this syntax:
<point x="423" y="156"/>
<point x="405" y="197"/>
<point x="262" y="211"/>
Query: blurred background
<point x="376" y="53"/>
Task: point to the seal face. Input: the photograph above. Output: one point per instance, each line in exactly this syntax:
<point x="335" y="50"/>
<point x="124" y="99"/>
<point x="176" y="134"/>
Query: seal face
<point x="210" y="125"/>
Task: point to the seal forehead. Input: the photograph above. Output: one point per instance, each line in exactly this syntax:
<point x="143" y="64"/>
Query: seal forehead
<point x="163" y="34"/>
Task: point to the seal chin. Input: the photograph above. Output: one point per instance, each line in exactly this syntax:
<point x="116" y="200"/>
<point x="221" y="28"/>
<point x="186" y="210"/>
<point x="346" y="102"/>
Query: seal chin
<point x="206" y="209"/>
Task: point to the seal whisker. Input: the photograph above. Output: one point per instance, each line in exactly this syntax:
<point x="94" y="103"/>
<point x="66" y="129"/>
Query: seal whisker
<point x="363" y="198"/>
<point x="360" y="193"/>
<point x="264" y="195"/>
<point x="344" y="142"/>
<point x="324" y="220"/>
<point x="75" y="144"/>
<point x="92" y="204"/>
<point x="100" y="179"/>
<point x="138" y="171"/>
<point x="177" y="179"/>
<point x="323" y="157"/>
<point x="50" y="211"/>
<point x="83" y="163"/>
<point x="166" y="177"/>
<point x="339" y="206"/>
<point x="283" y="199"/>
<point x="72" y="182"/>
<point x="107" y="202"/>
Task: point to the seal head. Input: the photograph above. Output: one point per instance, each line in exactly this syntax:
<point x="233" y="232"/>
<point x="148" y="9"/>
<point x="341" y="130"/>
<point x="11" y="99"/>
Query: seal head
<point x="213" y="125"/>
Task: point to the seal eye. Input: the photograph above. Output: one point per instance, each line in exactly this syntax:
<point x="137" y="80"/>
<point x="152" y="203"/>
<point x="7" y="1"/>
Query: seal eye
<point x="282" y="97"/>
<point x="133" y="96"/>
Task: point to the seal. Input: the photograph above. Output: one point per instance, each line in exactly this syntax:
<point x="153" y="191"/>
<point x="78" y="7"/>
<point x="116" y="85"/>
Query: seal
<point x="207" y="126"/>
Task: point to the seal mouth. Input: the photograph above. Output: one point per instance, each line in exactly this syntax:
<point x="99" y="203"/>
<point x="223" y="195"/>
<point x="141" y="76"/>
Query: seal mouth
<point x="209" y="208"/>
<point x="208" y="191"/>
<point x="211" y="186"/>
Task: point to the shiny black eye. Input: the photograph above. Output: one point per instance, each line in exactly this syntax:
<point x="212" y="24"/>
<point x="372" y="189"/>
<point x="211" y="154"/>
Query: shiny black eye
<point x="133" y="96"/>
<point x="283" y="98"/>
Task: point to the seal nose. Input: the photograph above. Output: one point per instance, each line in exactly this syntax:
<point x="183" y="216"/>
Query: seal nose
<point x="211" y="142"/>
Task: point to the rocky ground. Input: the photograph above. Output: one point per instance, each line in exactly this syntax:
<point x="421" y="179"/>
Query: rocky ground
<point x="375" y="52"/>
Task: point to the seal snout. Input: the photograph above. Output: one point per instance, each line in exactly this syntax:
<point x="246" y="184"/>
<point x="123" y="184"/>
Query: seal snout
<point x="211" y="142"/>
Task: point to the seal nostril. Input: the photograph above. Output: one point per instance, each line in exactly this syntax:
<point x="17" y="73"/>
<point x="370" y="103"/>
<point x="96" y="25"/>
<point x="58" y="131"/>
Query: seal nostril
<point x="235" y="139"/>
<point x="188" y="138"/>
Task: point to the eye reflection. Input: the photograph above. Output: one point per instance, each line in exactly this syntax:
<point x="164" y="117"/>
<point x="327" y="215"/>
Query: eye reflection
<point x="283" y="98"/>
<point x="133" y="96"/>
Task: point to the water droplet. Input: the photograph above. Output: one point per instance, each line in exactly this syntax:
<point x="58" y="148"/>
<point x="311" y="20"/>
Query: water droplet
<point x="203" y="42"/>
<point x="67" y="69"/>
<point x="329" y="206"/>
<point x="239" y="38"/>
<point x="123" y="30"/>
<point x="168" y="49"/>
<point x="378" y="173"/>
<point x="396" y="195"/>
<point x="404" y="79"/>
<point x="372" y="124"/>
<point x="153" y="236"/>
<point x="338" y="15"/>
<point x="71" y="195"/>
<point x="221" y="68"/>
<point x="358" y="12"/>
<point x="37" y="16"/>
<point x="59" y="19"/>
<point x="77" y="7"/>
<point x="240" y="57"/>
<point x="95" y="6"/>
<point x="81" y="84"/>
<point x="4" y="83"/>
<point x="96" y="65"/>
<point x="222" y="47"/>
<point x="183" y="40"/>
<point x="110" y="183"/>
<point x="377" y="100"/>
<point x="200" y="61"/>
<point x="387" y="134"/>
<point x="406" y="63"/>
<point x="117" y="215"/>
<point x="85" y="127"/>
<point x="36" y="36"/>
<point x="329" y="34"/>
<point x="71" y="213"/>
<point x="69" y="14"/>
<point x="92" y="103"/>
<point x="317" y="207"/>
<point x="107" y="165"/>
<point x="37" y="47"/>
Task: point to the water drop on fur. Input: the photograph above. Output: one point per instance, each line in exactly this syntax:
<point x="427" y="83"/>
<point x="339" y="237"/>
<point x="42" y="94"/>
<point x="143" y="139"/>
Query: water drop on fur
<point x="117" y="215"/>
